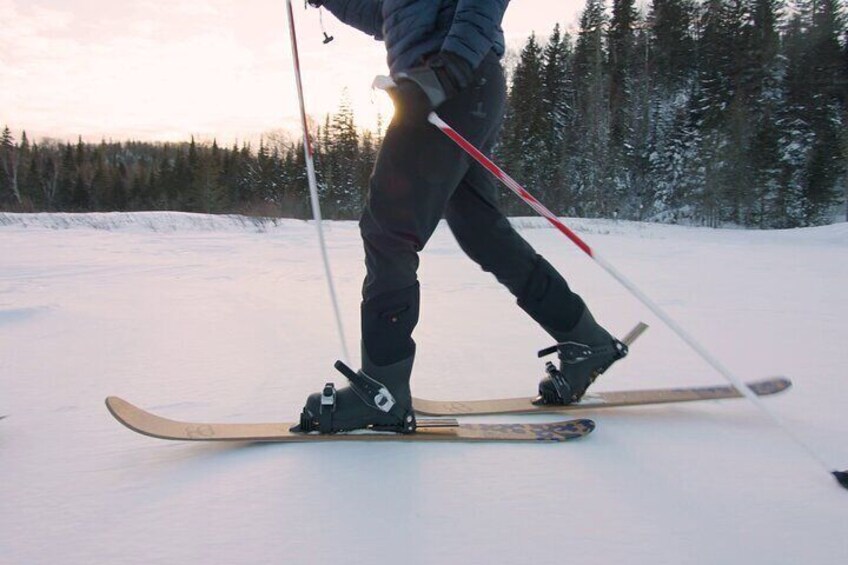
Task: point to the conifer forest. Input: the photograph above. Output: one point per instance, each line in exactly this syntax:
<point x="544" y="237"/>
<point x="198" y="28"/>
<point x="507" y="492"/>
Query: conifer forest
<point x="718" y="112"/>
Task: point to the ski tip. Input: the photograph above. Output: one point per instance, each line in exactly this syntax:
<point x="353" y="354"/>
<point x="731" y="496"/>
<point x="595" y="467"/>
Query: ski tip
<point x="770" y="386"/>
<point x="588" y="425"/>
<point x="575" y="428"/>
<point x="121" y="410"/>
<point x="842" y="478"/>
<point x="784" y="380"/>
<point x="113" y="402"/>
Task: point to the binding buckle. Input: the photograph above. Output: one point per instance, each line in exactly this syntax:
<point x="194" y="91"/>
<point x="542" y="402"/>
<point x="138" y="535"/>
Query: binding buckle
<point x="384" y="400"/>
<point x="571" y="352"/>
<point x="328" y="406"/>
<point x="328" y="396"/>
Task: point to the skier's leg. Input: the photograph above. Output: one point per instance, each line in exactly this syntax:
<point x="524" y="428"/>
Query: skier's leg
<point x="488" y="238"/>
<point x="413" y="177"/>
<point x="416" y="171"/>
<point x="486" y="235"/>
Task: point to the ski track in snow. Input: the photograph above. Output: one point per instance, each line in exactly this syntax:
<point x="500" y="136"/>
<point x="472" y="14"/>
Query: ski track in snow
<point x="227" y="318"/>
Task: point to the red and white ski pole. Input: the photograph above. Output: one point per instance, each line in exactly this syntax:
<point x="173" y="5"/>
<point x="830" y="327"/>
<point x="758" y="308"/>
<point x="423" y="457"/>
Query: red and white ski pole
<point x="744" y="389"/>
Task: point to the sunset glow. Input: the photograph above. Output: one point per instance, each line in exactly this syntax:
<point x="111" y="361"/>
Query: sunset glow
<point x="159" y="70"/>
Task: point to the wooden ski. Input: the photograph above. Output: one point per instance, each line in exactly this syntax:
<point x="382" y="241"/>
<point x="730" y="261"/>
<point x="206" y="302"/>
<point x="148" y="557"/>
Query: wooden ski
<point x="600" y="400"/>
<point x="149" y="424"/>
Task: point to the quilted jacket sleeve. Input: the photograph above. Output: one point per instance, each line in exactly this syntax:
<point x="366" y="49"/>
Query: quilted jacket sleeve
<point x="364" y="15"/>
<point x="474" y="27"/>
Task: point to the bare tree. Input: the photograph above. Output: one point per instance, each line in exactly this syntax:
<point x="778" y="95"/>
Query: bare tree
<point x="49" y="177"/>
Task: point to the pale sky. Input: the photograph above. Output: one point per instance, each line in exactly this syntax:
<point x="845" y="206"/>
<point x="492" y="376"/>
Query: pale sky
<point x="168" y="69"/>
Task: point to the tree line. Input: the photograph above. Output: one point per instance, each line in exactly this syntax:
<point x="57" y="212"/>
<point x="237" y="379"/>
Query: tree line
<point x="194" y="177"/>
<point x="718" y="112"/>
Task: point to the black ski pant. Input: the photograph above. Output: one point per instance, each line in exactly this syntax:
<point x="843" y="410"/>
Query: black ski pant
<point x="419" y="177"/>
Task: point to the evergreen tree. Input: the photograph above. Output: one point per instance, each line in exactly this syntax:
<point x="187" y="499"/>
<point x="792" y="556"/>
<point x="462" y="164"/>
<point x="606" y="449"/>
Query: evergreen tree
<point x="672" y="137"/>
<point x="367" y="159"/>
<point x="558" y="118"/>
<point x="828" y="84"/>
<point x="627" y="105"/>
<point x="592" y="102"/>
<point x="26" y="181"/>
<point x="766" y="101"/>
<point x="638" y="149"/>
<point x="720" y="110"/>
<point x="621" y="44"/>
<point x="209" y="197"/>
<point x="672" y="46"/>
<point x="815" y="80"/>
<point x="81" y="198"/>
<point x="9" y="161"/>
<point x="523" y="138"/>
<point x="716" y="63"/>
<point x="346" y="194"/>
<point x="844" y="124"/>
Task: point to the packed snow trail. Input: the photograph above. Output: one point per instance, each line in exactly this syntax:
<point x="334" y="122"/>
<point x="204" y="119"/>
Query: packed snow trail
<point x="198" y="317"/>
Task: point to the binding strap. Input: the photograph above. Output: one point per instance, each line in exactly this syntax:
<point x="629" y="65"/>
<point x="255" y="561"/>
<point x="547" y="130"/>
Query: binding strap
<point x="376" y="395"/>
<point x="573" y="353"/>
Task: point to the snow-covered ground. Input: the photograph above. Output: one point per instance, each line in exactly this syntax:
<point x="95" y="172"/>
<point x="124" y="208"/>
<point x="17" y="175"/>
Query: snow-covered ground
<point x="226" y="318"/>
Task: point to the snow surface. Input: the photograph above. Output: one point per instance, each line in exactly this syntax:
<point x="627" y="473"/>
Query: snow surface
<point x="227" y="318"/>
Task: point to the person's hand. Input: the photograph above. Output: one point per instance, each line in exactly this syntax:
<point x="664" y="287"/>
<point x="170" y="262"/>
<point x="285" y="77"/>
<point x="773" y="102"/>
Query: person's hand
<point x="454" y="72"/>
<point x="422" y="89"/>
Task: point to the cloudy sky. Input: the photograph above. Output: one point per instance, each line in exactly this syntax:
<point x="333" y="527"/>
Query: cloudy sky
<point x="168" y="69"/>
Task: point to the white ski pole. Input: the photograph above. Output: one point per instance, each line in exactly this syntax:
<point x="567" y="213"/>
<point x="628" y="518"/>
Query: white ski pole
<point x="744" y="389"/>
<point x="313" y="184"/>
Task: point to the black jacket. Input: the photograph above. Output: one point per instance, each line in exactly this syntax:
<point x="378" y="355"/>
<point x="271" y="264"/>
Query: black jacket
<point x="414" y="28"/>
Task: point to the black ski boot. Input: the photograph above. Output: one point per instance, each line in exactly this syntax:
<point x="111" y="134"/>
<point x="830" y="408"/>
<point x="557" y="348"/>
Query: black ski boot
<point x="378" y="397"/>
<point x="585" y="349"/>
<point x="585" y="352"/>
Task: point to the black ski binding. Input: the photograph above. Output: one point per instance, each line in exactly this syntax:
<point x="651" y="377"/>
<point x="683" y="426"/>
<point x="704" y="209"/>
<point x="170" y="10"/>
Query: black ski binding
<point x="374" y="394"/>
<point x="574" y="353"/>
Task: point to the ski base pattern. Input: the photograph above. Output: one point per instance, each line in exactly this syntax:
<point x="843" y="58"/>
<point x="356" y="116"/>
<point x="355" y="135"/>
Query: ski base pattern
<point x="595" y="401"/>
<point x="444" y="430"/>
